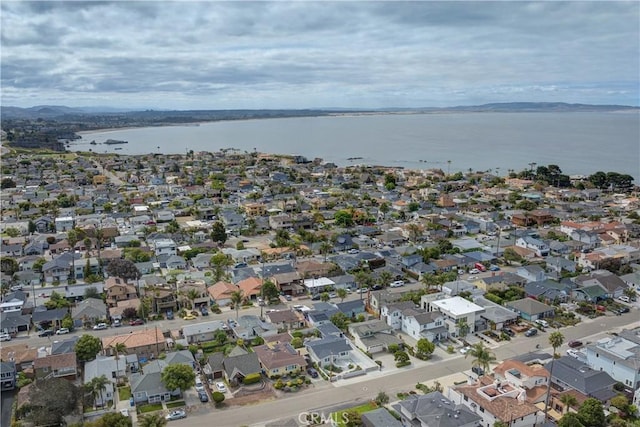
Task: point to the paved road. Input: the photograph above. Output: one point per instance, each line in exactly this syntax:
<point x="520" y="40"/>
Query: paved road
<point x="6" y="402"/>
<point x="331" y="395"/>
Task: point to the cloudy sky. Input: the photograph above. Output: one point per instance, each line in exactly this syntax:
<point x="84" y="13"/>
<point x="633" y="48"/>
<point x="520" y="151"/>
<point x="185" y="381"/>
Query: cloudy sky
<point x="216" y="55"/>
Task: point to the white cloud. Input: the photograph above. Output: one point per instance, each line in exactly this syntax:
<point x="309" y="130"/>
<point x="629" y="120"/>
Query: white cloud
<point x="318" y="54"/>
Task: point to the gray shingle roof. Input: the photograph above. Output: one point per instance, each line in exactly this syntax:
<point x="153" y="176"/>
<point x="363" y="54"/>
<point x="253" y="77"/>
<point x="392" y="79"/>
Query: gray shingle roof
<point x="575" y="374"/>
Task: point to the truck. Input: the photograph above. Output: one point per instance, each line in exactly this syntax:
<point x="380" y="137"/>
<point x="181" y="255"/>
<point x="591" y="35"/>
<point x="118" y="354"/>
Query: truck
<point x="480" y="266"/>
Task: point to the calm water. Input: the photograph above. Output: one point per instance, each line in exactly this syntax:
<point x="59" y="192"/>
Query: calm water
<point x="580" y="143"/>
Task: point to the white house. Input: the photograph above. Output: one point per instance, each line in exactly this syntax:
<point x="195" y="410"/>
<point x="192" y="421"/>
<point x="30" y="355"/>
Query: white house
<point x="419" y="324"/>
<point x="315" y="286"/>
<point x="538" y="246"/>
<point x="457" y="310"/>
<point x="165" y="247"/>
<point x="64" y="223"/>
<point x="619" y="356"/>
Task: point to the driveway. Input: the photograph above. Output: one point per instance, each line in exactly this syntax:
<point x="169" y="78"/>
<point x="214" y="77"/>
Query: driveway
<point x="7" y="398"/>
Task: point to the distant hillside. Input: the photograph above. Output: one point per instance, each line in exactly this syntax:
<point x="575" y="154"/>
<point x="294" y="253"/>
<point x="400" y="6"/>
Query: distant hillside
<point x="177" y="116"/>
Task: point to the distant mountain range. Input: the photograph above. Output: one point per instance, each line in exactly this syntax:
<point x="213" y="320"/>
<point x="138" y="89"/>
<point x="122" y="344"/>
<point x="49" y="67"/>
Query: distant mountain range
<point x="59" y="111"/>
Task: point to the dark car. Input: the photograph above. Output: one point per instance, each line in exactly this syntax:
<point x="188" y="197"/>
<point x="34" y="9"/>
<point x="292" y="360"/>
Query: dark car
<point x="623" y="310"/>
<point x="45" y="333"/>
<point x="204" y="311"/>
<point x="575" y="343"/>
<point x="477" y="370"/>
<point x="508" y="332"/>
<point x="170" y="315"/>
<point x="136" y="322"/>
<point x="376" y="287"/>
<point x="531" y="332"/>
<point x="316" y="297"/>
<point x="203" y="396"/>
<point x="312" y="372"/>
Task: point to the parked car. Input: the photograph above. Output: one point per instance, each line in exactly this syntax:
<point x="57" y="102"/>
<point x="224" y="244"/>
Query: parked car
<point x="189" y="317"/>
<point x="531" y="332"/>
<point x="221" y="387"/>
<point x="170" y="315"/>
<point x="376" y="287"/>
<point x="100" y="326"/>
<point x="623" y="310"/>
<point x="45" y="333"/>
<point x="124" y="412"/>
<point x="465" y="350"/>
<point x="316" y="297"/>
<point x="397" y="284"/>
<point x="204" y="311"/>
<point x="575" y="343"/>
<point x="333" y="295"/>
<point x="116" y="323"/>
<point x="624" y="298"/>
<point x="62" y="331"/>
<point x="136" y="322"/>
<point x="288" y="297"/>
<point x="477" y="370"/>
<point x="494" y="268"/>
<point x="176" y="414"/>
<point x="508" y="331"/>
<point x="204" y="398"/>
<point x="312" y="372"/>
<point x="574" y="353"/>
<point x="232" y="323"/>
<point x="199" y="385"/>
<point x="474" y="271"/>
<point x="5" y="337"/>
<point x="542" y="323"/>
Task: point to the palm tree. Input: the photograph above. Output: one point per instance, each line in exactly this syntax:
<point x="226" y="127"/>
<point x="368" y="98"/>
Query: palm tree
<point x="483" y="356"/>
<point x="237" y="298"/>
<point x="342" y="294"/>
<point x="152" y="420"/>
<point x="118" y="349"/>
<point x="555" y="339"/>
<point x="363" y="279"/>
<point x="385" y="278"/>
<point x="325" y="248"/>
<point x="96" y="386"/>
<point x="192" y="295"/>
<point x="568" y="400"/>
<point x="463" y="328"/>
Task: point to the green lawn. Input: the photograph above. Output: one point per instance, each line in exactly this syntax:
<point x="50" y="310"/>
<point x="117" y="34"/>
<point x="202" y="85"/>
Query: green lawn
<point x="124" y="393"/>
<point x="151" y="407"/>
<point x="337" y="416"/>
<point x="175" y="404"/>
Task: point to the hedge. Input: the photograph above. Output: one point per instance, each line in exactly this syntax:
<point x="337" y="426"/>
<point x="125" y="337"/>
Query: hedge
<point x="252" y="379"/>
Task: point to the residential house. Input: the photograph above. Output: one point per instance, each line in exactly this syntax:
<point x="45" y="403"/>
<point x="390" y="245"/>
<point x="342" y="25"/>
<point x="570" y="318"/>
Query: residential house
<point x="391" y="313"/>
<point x="540" y="248"/>
<point x="117" y="289"/>
<point x="238" y="366"/>
<point x="196" y="287"/>
<point x="149" y="388"/>
<point x="250" y="287"/>
<point x="570" y="373"/>
<point x="221" y="292"/>
<point x="146" y="343"/>
<point x="418" y="324"/>
<point x="163" y="299"/>
<point x="57" y="366"/>
<point x="22" y="355"/>
<point x="379" y="418"/>
<point x="327" y="351"/>
<point x="531" y="273"/>
<point x="613" y="285"/>
<point x="497" y="401"/>
<point x="373" y="336"/>
<point x="13" y="302"/>
<point x="89" y="311"/>
<point x="278" y="359"/>
<point x="111" y="368"/>
<point x="457" y="312"/>
<point x="286" y="319"/>
<point x="548" y="290"/>
<point x="531" y="309"/>
<point x="8" y="376"/>
<point x="250" y="327"/>
<point x="214" y="368"/>
<point x="533" y="378"/>
<point x="12" y="322"/>
<point x="559" y="264"/>
<point x="49" y="318"/>
<point x="433" y="409"/>
<point x="351" y="309"/>
<point x="496" y="316"/>
<point x="619" y="356"/>
<point x="203" y="332"/>
<point x="64" y="346"/>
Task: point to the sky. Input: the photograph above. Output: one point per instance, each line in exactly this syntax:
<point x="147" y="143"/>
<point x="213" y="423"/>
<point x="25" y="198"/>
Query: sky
<point x="317" y="54"/>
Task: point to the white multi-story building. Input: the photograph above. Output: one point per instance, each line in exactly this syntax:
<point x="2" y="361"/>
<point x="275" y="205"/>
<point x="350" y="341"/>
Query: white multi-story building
<point x="457" y="311"/>
<point x="165" y="247"/>
<point x="619" y="356"/>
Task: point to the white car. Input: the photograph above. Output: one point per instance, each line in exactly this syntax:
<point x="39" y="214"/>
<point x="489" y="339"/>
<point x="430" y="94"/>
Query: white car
<point x="199" y="385"/>
<point x="124" y="412"/>
<point x="474" y="271"/>
<point x="5" y="337"/>
<point x="397" y="284"/>
<point x="62" y="331"/>
<point x="574" y="353"/>
<point x="100" y="326"/>
<point x="221" y="387"/>
<point x="465" y="350"/>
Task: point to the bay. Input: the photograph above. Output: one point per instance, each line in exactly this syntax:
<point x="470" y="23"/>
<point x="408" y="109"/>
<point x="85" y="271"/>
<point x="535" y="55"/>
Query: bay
<point x="580" y="143"/>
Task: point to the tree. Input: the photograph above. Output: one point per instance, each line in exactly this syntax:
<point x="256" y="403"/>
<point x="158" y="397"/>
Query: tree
<point x="463" y="327"/>
<point x="324" y="297"/>
<point x="237" y="298"/>
<point x="110" y="419"/>
<point x="297" y="342"/>
<point x="217" y="397"/>
<point x="119" y="348"/>
<point x="192" y="295"/>
<point x="130" y="313"/>
<point x="220" y="262"/>
<point x="91" y="292"/>
<point x="555" y="339"/>
<point x="568" y="400"/>
<point x="483" y="357"/>
<point x="87" y="347"/>
<point x="385" y="278"/>
<point x="269" y="291"/>
<point x="424" y="348"/>
<point x="325" y="248"/>
<point x="218" y="232"/>
<point x="401" y="356"/>
<point x="343" y="218"/>
<point x="382" y="398"/>
<point x="152" y="420"/>
<point x="9" y="266"/>
<point x="50" y="400"/>
<point x="363" y="279"/>
<point x="570" y="419"/>
<point x="7" y="183"/>
<point x="351" y="418"/>
<point x="96" y="386"/>
<point x="340" y="320"/>
<point x="178" y="377"/>
<point x="123" y="269"/>
<point x="591" y="413"/>
<point x="342" y="294"/>
<point x="56" y="300"/>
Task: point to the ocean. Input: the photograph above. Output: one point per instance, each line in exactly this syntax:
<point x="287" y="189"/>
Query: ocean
<point x="580" y="143"/>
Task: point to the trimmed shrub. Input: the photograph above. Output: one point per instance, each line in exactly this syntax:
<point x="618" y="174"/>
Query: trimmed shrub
<point x="252" y="379"/>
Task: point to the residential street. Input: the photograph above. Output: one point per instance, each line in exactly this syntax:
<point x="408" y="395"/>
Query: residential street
<point x="363" y="388"/>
